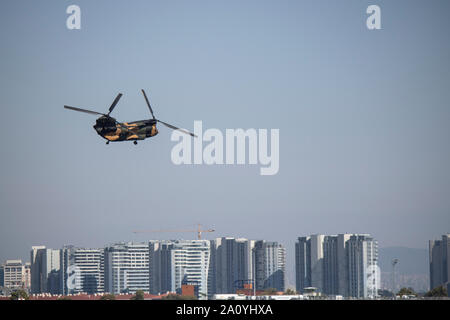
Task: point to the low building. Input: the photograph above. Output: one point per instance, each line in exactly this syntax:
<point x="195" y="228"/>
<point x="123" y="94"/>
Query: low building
<point x="16" y="275"/>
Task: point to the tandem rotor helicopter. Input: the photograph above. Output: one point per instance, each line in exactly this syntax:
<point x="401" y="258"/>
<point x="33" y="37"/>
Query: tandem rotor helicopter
<point x="112" y="130"/>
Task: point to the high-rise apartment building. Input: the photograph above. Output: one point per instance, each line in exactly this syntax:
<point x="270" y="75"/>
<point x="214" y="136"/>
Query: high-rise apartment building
<point x="160" y="266"/>
<point x="270" y="265"/>
<point x="327" y="263"/>
<point x="231" y="264"/>
<point x="316" y="248"/>
<point x="363" y="272"/>
<point x="335" y="265"/>
<point x="36" y="268"/>
<point x="45" y="267"/>
<point x="309" y="262"/>
<point x="2" y="273"/>
<point x="82" y="270"/>
<point x="178" y="262"/>
<point x="302" y="264"/>
<point x="90" y="264"/>
<point x="126" y="268"/>
<point x="67" y="271"/>
<point x="439" y="253"/>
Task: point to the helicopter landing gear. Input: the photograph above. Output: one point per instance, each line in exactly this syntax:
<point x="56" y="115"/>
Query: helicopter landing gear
<point x="107" y="142"/>
<point x="135" y="142"/>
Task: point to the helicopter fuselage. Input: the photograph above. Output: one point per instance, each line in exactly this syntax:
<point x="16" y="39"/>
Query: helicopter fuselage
<point x="111" y="130"/>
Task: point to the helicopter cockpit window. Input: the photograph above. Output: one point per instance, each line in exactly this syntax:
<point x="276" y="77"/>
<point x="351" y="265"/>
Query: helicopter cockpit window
<point x="106" y="122"/>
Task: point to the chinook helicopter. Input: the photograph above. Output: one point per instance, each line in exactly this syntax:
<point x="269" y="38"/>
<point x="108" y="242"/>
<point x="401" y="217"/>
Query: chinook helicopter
<point x="112" y="130"/>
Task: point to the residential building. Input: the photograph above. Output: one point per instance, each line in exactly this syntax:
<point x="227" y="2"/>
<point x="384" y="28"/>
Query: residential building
<point x="439" y="253"/>
<point x="363" y="271"/>
<point x="316" y="248"/>
<point x="270" y="265"/>
<point x="45" y="267"/>
<point x="302" y="264"/>
<point x="68" y="271"/>
<point x="231" y="264"/>
<point x="126" y="268"/>
<point x="309" y="262"/>
<point x="335" y="267"/>
<point x="178" y="262"/>
<point x="36" y="266"/>
<point x="90" y="263"/>
<point x="82" y="270"/>
<point x="2" y="274"/>
<point x="14" y="274"/>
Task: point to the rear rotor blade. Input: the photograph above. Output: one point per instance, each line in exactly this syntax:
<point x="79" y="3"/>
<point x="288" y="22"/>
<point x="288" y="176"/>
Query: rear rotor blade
<point x="176" y="128"/>
<point x="148" y="103"/>
<point x="114" y="103"/>
<point x="84" y="110"/>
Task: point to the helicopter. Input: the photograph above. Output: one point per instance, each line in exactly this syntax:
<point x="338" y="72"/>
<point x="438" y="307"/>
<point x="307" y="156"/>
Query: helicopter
<point x="112" y="130"/>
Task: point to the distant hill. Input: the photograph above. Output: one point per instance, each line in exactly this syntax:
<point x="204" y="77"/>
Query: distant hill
<point x="412" y="269"/>
<point x="411" y="260"/>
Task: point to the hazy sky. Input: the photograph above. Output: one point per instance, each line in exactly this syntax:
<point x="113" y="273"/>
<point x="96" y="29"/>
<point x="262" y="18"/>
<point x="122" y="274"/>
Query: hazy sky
<point x="363" y="118"/>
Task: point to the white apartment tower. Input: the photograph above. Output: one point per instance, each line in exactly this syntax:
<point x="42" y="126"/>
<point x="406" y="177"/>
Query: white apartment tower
<point x="342" y="264"/>
<point x="363" y="272"/>
<point x="316" y="243"/>
<point x="82" y="270"/>
<point x="177" y="262"/>
<point x="45" y="267"/>
<point x="270" y="265"/>
<point x="126" y="268"/>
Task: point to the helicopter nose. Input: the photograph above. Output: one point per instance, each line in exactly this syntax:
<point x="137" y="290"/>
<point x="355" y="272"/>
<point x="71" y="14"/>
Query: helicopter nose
<point x="97" y="128"/>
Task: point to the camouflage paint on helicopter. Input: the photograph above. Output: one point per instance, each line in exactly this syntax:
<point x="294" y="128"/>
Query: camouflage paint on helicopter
<point x="112" y="130"/>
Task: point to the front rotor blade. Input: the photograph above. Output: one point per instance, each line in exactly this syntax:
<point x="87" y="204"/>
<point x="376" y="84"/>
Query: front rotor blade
<point x="114" y="103"/>
<point x="84" y="110"/>
<point x="148" y="103"/>
<point x="176" y="128"/>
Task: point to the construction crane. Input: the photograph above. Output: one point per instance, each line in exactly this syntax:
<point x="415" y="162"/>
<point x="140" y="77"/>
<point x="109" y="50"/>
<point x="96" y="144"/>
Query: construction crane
<point x="199" y="231"/>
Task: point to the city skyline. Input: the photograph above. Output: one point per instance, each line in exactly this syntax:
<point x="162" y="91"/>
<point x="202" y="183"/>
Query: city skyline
<point x="290" y="254"/>
<point x="327" y="261"/>
<point x="289" y="245"/>
<point x="288" y="282"/>
<point x="156" y="266"/>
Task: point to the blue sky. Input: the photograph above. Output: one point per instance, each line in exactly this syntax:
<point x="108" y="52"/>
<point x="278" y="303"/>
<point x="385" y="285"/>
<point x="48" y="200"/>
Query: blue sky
<point x="363" y="119"/>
